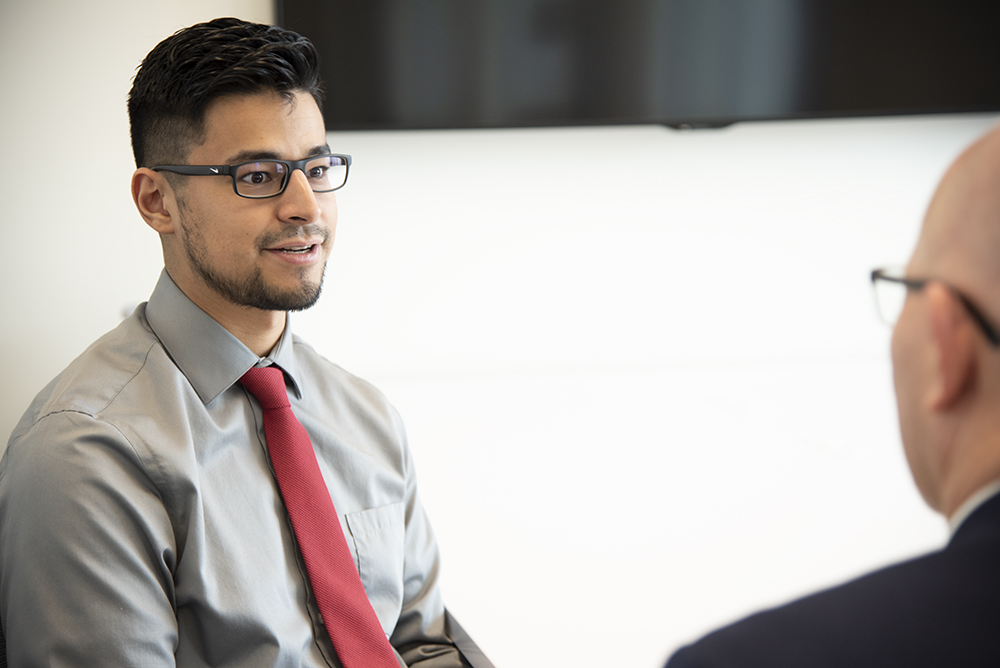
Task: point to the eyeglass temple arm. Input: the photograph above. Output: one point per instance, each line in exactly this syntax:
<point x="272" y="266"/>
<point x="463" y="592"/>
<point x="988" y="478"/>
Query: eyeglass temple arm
<point x="984" y="324"/>
<point x="914" y="284"/>
<point x="194" y="170"/>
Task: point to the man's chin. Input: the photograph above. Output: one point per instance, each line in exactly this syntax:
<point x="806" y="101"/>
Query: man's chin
<point x="303" y="301"/>
<point x="269" y="298"/>
<point x="254" y="292"/>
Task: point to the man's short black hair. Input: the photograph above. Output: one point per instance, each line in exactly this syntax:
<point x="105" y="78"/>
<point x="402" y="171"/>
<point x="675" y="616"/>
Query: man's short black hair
<point x="184" y="73"/>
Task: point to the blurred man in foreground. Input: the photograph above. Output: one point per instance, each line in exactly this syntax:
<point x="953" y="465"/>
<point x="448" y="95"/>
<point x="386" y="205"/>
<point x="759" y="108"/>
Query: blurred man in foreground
<point x="940" y="609"/>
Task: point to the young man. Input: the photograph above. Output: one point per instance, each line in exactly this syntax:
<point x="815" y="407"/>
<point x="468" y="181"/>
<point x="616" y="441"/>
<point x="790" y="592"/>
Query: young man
<point x="940" y="609"/>
<point x="159" y="503"/>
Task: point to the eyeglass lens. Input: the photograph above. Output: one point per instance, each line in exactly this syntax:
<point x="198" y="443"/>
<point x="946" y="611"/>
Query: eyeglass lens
<point x="265" y="177"/>
<point x="890" y="297"/>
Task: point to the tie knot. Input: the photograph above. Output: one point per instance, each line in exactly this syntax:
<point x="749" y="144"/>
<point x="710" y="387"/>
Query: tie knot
<point x="268" y="385"/>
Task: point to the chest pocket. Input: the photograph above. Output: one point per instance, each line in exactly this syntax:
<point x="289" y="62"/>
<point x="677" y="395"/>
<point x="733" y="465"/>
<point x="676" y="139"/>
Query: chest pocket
<point x="378" y="535"/>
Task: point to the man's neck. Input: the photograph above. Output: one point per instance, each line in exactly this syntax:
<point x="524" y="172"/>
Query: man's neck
<point x="258" y="337"/>
<point x="257" y="329"/>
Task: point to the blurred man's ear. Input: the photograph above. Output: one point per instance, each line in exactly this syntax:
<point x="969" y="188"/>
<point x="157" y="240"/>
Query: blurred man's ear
<point x="955" y="348"/>
<point x="151" y="192"/>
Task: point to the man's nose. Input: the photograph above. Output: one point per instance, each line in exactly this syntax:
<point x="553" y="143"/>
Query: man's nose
<point x="298" y="202"/>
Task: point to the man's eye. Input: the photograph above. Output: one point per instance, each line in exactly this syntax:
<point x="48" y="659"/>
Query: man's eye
<point x="258" y="173"/>
<point x="318" y="172"/>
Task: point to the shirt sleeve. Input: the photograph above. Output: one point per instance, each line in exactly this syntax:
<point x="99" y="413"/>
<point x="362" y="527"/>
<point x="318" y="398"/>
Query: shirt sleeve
<point x="86" y="550"/>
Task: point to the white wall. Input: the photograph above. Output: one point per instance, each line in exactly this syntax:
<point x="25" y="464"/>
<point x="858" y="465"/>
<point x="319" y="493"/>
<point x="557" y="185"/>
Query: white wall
<point x="641" y="369"/>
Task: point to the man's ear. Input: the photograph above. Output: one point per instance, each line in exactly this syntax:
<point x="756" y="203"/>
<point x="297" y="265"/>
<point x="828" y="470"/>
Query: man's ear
<point x="955" y="347"/>
<point x="154" y="198"/>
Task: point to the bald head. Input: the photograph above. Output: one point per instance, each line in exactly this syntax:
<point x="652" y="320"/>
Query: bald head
<point x="946" y="371"/>
<point x="960" y="239"/>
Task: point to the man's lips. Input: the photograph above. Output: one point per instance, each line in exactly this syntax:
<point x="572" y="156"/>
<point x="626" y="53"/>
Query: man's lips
<point x="296" y="246"/>
<point x="294" y="249"/>
<point x="297" y="251"/>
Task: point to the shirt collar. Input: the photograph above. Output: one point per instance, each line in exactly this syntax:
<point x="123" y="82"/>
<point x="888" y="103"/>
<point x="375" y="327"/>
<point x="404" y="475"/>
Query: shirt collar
<point x="971" y="504"/>
<point x="282" y="356"/>
<point x="208" y="355"/>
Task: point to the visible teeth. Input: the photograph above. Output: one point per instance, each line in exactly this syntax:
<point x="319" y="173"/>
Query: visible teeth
<point x="301" y="249"/>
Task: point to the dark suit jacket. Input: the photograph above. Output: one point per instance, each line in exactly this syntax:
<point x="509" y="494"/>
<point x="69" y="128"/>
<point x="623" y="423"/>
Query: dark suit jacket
<point x="942" y="609"/>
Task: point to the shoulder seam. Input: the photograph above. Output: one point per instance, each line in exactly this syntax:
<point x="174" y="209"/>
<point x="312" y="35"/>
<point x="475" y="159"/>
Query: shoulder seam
<point x="111" y="425"/>
<point x="142" y="366"/>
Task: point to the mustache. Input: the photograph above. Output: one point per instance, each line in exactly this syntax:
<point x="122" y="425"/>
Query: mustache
<point x="273" y="238"/>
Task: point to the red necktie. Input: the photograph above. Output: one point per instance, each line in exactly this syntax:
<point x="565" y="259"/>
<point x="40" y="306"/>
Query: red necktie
<point x="347" y="614"/>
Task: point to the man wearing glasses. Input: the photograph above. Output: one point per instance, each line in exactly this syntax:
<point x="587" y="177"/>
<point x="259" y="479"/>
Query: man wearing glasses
<point x="940" y="609"/>
<point x="200" y="487"/>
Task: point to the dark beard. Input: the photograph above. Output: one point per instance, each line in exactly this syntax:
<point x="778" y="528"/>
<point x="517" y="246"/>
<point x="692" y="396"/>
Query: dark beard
<point x="251" y="291"/>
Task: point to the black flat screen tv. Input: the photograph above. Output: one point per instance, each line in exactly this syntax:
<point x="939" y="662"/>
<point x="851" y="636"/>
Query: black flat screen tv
<point x="413" y="64"/>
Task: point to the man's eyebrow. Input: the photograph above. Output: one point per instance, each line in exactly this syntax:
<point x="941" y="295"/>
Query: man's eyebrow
<point x="250" y="156"/>
<point x="318" y="150"/>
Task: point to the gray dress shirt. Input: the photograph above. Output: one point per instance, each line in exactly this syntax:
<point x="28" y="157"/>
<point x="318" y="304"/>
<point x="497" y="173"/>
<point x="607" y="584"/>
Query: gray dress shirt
<point x="141" y="525"/>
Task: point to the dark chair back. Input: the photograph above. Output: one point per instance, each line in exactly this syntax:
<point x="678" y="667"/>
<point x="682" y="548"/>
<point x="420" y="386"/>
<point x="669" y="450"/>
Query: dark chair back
<point x="466" y="646"/>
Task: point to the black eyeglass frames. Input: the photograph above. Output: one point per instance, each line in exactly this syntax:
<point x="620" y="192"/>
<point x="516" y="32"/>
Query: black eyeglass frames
<point x="890" y="293"/>
<point x="259" y="179"/>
